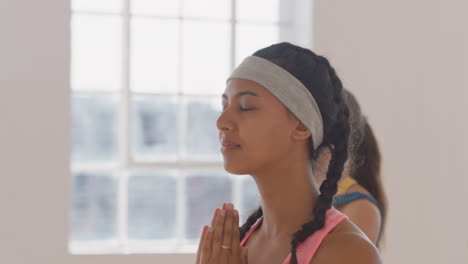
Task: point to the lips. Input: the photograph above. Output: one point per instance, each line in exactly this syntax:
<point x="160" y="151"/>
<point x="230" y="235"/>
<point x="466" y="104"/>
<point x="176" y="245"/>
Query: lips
<point x="228" y="145"/>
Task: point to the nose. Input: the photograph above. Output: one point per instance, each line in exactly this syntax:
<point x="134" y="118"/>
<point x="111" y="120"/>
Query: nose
<point x="224" y="123"/>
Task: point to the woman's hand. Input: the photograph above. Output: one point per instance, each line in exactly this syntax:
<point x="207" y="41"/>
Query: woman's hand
<point x="220" y="243"/>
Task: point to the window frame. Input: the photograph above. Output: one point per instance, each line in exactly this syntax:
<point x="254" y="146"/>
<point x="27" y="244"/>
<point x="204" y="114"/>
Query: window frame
<point x="298" y="12"/>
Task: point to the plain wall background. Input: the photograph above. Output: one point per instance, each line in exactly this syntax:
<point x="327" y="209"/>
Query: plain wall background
<point x="406" y="61"/>
<point x="34" y="130"/>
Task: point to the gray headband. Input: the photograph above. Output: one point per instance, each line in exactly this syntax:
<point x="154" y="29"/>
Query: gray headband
<point x="289" y="90"/>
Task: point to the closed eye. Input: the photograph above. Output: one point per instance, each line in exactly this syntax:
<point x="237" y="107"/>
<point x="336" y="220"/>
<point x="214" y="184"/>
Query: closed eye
<point x="241" y="109"/>
<point x="246" y="109"/>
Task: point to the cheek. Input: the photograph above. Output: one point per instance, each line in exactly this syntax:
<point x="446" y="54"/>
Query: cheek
<point x="263" y="141"/>
<point x="266" y="141"/>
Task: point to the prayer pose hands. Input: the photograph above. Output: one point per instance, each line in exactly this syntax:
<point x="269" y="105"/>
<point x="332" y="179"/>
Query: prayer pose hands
<point x="220" y="243"/>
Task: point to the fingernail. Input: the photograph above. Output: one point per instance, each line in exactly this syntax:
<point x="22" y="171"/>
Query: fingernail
<point x="210" y="229"/>
<point x="230" y="206"/>
<point x="223" y="212"/>
<point x="236" y="213"/>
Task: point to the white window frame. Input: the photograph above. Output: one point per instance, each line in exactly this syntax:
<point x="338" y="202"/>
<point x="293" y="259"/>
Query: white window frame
<point x="298" y="12"/>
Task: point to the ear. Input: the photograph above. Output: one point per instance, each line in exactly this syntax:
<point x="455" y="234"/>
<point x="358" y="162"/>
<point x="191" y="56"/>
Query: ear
<point x="301" y="132"/>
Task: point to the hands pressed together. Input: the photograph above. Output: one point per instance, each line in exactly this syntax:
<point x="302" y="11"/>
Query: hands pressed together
<point x="220" y="242"/>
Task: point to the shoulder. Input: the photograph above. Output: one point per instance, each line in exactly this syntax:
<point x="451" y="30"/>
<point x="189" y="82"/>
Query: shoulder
<point x="347" y="245"/>
<point x="361" y="208"/>
<point x="365" y="214"/>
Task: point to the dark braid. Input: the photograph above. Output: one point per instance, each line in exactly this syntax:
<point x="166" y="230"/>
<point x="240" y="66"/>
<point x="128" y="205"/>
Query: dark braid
<point x="338" y="137"/>
<point x="321" y="80"/>
<point x="250" y="221"/>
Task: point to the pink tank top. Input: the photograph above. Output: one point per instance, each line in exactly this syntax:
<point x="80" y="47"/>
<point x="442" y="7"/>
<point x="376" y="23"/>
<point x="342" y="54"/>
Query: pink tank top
<point x="306" y="250"/>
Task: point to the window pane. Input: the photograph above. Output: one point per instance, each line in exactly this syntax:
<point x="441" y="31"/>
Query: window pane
<point x="258" y="10"/>
<point x="97" y="5"/>
<point x="156" y="7"/>
<point x="94" y="127"/>
<point x="220" y="9"/>
<point x="205" y="59"/>
<point x="154" y="127"/>
<point x="201" y="133"/>
<point x="94" y="208"/>
<point x="152" y="201"/>
<point x="251" y="37"/>
<point x="250" y="198"/>
<point x="96" y="53"/>
<point x="154" y="60"/>
<point x="205" y="193"/>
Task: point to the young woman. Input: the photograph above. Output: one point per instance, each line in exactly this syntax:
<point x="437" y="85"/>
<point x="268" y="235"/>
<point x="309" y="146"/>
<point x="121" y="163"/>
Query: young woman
<point x="281" y="106"/>
<point x="360" y="193"/>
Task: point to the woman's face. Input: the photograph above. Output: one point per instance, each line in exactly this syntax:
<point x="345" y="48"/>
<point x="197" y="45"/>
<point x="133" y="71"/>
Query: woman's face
<point x="255" y="128"/>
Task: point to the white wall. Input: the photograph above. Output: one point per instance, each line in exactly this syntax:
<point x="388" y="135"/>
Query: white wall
<point x="407" y="62"/>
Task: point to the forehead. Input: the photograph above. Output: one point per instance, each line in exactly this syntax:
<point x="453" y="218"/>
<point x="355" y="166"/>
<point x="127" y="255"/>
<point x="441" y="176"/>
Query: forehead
<point x="235" y="86"/>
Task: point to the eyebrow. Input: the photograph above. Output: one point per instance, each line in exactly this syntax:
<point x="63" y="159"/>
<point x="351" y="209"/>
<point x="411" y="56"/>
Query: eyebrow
<point x="239" y="94"/>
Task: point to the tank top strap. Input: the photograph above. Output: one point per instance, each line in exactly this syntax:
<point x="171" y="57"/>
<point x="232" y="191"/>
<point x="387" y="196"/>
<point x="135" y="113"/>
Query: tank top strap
<point x="249" y="233"/>
<point x="351" y="197"/>
<point x="306" y="250"/>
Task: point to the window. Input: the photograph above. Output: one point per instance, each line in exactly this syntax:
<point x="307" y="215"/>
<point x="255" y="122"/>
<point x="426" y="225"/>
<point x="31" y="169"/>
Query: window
<point x="147" y="76"/>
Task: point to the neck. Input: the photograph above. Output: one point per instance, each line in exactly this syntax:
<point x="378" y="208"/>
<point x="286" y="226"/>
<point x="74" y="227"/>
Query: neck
<point x="288" y="196"/>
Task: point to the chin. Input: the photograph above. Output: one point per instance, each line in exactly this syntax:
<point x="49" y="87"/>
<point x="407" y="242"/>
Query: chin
<point x="236" y="170"/>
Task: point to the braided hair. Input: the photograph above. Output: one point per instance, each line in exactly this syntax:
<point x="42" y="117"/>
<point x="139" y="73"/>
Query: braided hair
<point x="321" y="80"/>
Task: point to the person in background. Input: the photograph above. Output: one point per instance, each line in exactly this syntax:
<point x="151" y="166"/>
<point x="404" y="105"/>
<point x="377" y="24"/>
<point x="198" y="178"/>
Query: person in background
<point x="360" y="193"/>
